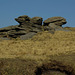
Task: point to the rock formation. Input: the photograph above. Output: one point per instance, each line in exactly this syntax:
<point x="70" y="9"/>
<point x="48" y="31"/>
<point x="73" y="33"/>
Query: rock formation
<point x="55" y="23"/>
<point x="28" y="27"/>
<point x="59" y="21"/>
<point x="22" y="19"/>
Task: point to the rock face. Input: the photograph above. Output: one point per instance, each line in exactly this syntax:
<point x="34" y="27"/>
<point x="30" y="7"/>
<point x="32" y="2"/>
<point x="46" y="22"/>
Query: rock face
<point x="56" y="20"/>
<point x="28" y="27"/>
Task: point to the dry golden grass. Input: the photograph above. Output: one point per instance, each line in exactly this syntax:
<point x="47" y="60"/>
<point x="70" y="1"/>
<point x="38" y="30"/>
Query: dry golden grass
<point x="40" y="46"/>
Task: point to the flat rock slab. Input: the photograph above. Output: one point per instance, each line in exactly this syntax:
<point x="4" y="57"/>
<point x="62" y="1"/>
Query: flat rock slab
<point x="27" y="36"/>
<point x="57" y="28"/>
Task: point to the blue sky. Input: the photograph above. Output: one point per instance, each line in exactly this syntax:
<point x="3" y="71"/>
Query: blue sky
<point x="10" y="9"/>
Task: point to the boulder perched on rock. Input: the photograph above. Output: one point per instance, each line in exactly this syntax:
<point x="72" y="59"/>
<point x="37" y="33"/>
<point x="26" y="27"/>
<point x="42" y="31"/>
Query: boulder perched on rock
<point x="22" y="19"/>
<point x="56" y="20"/>
<point x="37" y="20"/>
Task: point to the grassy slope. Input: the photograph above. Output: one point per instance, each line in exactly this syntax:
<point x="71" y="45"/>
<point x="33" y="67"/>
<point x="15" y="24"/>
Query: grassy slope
<point x="42" y="48"/>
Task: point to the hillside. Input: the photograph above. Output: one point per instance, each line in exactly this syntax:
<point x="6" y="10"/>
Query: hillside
<point x="43" y="43"/>
<point x="37" y="47"/>
<point x="41" y="48"/>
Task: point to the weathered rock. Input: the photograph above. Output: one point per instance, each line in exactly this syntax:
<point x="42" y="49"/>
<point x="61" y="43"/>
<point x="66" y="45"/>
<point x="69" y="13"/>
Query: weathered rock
<point x="5" y="29"/>
<point x="36" y="30"/>
<point x="3" y="34"/>
<point x="56" y="20"/>
<point x="16" y="34"/>
<point x="57" y="28"/>
<point x="53" y="26"/>
<point x="37" y="20"/>
<point x="48" y="28"/>
<point x="27" y="36"/>
<point x="22" y="19"/>
<point x="30" y="26"/>
<point x="12" y="31"/>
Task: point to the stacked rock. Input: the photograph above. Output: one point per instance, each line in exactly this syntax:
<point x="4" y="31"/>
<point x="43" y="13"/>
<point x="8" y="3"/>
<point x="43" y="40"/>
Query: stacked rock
<point x="22" y="19"/>
<point x="59" y="21"/>
<point x="28" y="27"/>
<point x="55" y="23"/>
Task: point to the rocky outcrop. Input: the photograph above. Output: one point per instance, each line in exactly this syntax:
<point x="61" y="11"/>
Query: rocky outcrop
<point x="59" y="21"/>
<point x="55" y="23"/>
<point x="28" y="27"/>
